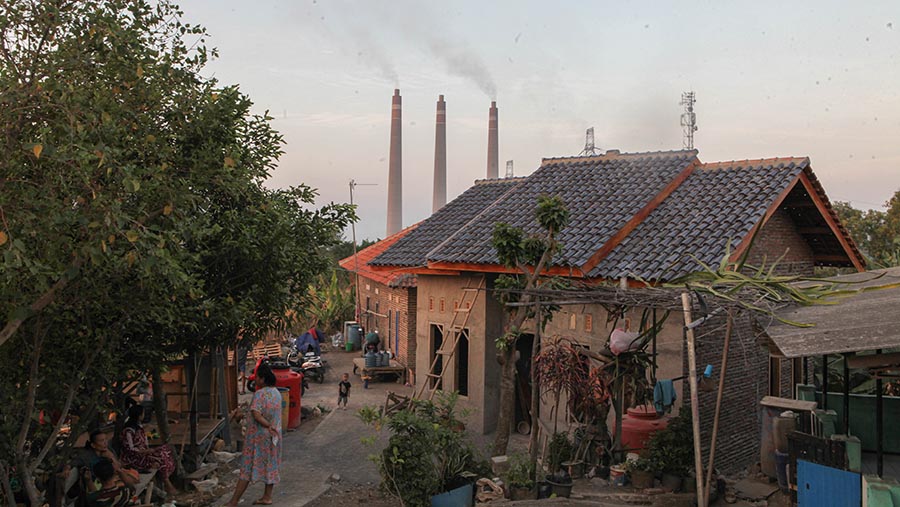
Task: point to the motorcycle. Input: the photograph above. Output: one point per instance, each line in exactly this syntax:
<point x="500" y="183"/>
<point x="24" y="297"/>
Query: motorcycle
<point x="310" y="364"/>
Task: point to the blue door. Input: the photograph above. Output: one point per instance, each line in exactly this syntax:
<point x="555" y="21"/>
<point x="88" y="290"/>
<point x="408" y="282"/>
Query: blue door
<point x="822" y="486"/>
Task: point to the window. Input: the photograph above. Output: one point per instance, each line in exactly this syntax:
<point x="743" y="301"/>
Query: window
<point x="462" y="363"/>
<point x="456" y="304"/>
<point x="368" y="287"/>
<point x="442" y="305"/>
<point x="437" y="339"/>
<point x="573" y="321"/>
<point x="588" y="322"/>
<point x="377" y="307"/>
<point x="430" y="304"/>
<point x="376" y="290"/>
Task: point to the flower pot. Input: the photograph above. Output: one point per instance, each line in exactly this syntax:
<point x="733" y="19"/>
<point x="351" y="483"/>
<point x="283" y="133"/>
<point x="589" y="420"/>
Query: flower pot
<point x="671" y="482"/>
<point x="616" y="476"/>
<point x="575" y="468"/>
<point x="459" y="497"/>
<point x="560" y="489"/>
<point x="522" y="493"/>
<point x="641" y="479"/>
<point x="544" y="490"/>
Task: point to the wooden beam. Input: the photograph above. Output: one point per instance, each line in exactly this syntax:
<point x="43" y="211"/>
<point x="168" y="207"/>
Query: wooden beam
<point x="572" y="272"/>
<point x="875" y="361"/>
<point x="832" y="258"/>
<point x="638" y="217"/>
<point x="814" y="230"/>
<point x="745" y="243"/>
<point x="695" y="399"/>
<point x="829" y="219"/>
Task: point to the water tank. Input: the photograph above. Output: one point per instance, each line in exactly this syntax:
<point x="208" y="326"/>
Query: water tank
<point x="639" y="424"/>
<point x="354" y="335"/>
<point x="293" y="381"/>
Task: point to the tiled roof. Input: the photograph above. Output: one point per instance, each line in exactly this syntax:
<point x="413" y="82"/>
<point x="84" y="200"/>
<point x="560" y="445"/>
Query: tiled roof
<point x="389" y="277"/>
<point x="718" y="202"/>
<point x="602" y="193"/>
<point x="410" y="251"/>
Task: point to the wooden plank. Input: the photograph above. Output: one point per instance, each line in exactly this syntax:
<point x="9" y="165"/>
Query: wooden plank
<point x="788" y="404"/>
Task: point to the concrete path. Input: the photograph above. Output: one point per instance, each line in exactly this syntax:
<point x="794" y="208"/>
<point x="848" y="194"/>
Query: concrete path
<point x="335" y="446"/>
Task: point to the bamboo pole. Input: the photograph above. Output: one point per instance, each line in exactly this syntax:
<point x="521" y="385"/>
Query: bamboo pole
<point x="715" y="431"/>
<point x="695" y="404"/>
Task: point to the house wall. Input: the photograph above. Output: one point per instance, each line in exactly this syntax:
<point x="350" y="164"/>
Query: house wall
<point x="780" y="237"/>
<point x="381" y="307"/>
<point x="483" y="324"/>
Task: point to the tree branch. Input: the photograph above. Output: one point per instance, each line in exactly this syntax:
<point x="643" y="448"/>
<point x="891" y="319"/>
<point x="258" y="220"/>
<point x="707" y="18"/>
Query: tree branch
<point x="10" y="328"/>
<point x="30" y="396"/>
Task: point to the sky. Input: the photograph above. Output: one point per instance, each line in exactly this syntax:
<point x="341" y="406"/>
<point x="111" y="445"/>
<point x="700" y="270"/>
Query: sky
<point x="803" y="78"/>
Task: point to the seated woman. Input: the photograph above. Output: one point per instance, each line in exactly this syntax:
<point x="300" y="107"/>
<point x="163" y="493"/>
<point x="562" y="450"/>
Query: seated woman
<point x="96" y="449"/>
<point x="137" y="453"/>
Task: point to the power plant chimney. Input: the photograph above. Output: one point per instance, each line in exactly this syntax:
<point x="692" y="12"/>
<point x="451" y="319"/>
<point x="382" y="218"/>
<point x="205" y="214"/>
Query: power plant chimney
<point x="395" y="170"/>
<point x="440" y="156"/>
<point x="493" y="162"/>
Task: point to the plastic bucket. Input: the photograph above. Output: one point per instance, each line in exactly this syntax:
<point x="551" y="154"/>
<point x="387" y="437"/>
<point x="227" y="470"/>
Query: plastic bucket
<point x="616" y="476"/>
<point x="459" y="497"/>
<point x="781" y="462"/>
<point x="285" y="407"/>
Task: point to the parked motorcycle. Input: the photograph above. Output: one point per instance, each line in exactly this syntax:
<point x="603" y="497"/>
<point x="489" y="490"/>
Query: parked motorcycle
<point x="310" y="364"/>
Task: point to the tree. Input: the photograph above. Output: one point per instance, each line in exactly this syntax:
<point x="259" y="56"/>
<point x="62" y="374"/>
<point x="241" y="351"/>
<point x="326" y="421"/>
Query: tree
<point x="133" y="220"/>
<point x="876" y="232"/>
<point x="531" y="256"/>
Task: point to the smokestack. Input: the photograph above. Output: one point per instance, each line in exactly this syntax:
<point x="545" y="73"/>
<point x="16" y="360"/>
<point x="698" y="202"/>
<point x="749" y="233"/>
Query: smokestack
<point x="493" y="162"/>
<point x="439" y="197"/>
<point x="395" y="170"/>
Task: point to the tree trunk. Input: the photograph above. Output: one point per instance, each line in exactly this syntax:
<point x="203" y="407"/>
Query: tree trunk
<point x="4" y="483"/>
<point x="27" y="478"/>
<point x="160" y="404"/>
<point x="535" y="390"/>
<point x="507" y="359"/>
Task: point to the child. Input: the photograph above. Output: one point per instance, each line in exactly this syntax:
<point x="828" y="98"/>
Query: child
<point x="344" y="390"/>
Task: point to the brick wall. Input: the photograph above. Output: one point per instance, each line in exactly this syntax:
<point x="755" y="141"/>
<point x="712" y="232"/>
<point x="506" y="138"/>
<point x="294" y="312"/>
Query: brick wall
<point x="779" y="237"/>
<point x="381" y="306"/>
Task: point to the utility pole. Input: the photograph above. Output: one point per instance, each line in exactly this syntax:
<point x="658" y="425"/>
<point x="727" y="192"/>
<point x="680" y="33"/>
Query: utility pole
<point x="353" y="185"/>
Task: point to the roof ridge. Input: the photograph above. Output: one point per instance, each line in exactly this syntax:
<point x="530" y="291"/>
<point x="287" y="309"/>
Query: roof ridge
<point x="613" y="154"/>
<point x="753" y="161"/>
<point x="491" y="181"/>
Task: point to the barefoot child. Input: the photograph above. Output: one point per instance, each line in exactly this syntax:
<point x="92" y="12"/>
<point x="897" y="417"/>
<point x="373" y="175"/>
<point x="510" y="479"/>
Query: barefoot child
<point x="344" y="391"/>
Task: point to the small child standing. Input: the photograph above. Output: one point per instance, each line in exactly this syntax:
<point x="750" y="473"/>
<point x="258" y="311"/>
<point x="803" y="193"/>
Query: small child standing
<point x="344" y="390"/>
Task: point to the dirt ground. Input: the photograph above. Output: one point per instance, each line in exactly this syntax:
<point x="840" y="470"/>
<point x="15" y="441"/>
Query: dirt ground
<point x="339" y="496"/>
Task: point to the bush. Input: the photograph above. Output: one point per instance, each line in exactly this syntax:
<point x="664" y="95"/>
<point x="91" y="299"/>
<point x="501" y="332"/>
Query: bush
<point x="672" y="450"/>
<point x="426" y="453"/>
<point x="521" y="472"/>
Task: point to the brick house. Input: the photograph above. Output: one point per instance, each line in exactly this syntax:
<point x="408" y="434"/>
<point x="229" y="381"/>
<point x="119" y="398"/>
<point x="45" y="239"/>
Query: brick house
<point x="645" y="217"/>
<point x="387" y="301"/>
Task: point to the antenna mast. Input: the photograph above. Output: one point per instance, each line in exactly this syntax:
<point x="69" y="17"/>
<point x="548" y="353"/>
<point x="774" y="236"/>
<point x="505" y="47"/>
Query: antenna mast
<point x="589" y="148"/>
<point x="688" y="119"/>
<point x="509" y="168"/>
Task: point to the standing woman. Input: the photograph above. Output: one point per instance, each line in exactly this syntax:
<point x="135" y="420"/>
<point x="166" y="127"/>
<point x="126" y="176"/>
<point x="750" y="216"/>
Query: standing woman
<point x="262" y="445"/>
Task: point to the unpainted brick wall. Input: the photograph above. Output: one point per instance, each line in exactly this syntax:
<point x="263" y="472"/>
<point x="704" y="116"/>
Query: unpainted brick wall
<point x="779" y="239"/>
<point x="398" y="302"/>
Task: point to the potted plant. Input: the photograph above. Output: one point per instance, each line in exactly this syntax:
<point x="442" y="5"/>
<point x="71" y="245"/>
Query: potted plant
<point x="672" y="449"/>
<point x="520" y="478"/>
<point x="561" y="483"/>
<point x="641" y="472"/>
<point x="560" y="451"/>
<point x="428" y="460"/>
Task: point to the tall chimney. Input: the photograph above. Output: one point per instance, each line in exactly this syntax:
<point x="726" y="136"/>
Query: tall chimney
<point x="439" y="197"/>
<point x="395" y="170"/>
<point x="493" y="159"/>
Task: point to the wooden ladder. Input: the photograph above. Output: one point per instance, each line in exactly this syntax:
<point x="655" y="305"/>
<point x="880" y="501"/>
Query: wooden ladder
<point x="445" y="353"/>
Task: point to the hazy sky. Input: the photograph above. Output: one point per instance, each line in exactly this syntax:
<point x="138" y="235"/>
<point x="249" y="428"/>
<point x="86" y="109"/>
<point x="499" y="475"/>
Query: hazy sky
<point x="818" y="79"/>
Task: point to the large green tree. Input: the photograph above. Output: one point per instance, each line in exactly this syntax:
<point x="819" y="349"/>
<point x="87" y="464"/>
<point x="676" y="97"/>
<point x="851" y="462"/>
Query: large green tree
<point x="876" y="232"/>
<point x="133" y="219"/>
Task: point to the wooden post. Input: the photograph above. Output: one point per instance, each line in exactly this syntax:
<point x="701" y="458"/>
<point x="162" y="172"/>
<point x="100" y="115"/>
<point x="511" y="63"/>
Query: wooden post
<point x="535" y="389"/>
<point x="825" y="382"/>
<point x="715" y="430"/>
<point x="846" y="396"/>
<point x="695" y="403"/>
<point x="879" y="424"/>
<point x="223" y="404"/>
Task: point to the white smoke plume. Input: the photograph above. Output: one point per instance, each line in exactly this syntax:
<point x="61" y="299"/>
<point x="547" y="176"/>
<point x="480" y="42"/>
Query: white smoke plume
<point x="465" y="63"/>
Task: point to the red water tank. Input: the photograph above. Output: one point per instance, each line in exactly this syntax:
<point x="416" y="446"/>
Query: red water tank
<point x="293" y="381"/>
<point x="639" y="425"/>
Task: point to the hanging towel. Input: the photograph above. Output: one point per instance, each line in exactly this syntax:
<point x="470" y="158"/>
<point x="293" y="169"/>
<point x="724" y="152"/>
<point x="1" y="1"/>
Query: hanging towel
<point x="663" y="396"/>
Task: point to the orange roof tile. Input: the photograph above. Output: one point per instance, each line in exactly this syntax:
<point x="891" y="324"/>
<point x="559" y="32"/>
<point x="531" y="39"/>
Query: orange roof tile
<point x="392" y="277"/>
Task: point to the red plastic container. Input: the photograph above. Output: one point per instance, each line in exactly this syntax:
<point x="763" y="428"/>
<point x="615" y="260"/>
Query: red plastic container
<point x="293" y="381"/>
<point x="639" y="425"/>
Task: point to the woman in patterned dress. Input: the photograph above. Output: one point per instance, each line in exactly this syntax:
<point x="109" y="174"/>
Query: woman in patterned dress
<point x="137" y="453"/>
<point x="262" y="445"/>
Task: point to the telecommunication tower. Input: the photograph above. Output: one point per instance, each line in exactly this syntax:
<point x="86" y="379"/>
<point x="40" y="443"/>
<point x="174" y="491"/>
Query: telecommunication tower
<point x="509" y="168"/>
<point x="589" y="148"/>
<point x="688" y="119"/>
